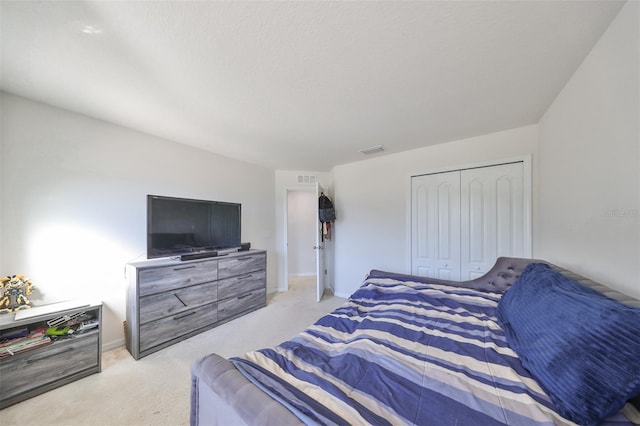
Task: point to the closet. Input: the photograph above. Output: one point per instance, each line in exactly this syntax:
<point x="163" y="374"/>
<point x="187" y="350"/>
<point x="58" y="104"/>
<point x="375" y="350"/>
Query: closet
<point x="462" y="220"/>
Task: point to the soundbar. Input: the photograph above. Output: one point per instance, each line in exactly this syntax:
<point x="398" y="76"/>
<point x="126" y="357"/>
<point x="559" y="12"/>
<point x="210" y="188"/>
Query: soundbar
<point x="203" y="255"/>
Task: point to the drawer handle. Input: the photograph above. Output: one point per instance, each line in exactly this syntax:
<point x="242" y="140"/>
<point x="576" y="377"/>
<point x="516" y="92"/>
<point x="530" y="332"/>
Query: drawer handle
<point x="242" y="277"/>
<point x="244" y="296"/>
<point x="181" y="301"/>
<point x="180" y="268"/>
<point x="177" y="317"/>
<point x="244" y="258"/>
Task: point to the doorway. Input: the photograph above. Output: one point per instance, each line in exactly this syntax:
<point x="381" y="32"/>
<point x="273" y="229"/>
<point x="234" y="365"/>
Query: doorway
<point x="300" y="237"/>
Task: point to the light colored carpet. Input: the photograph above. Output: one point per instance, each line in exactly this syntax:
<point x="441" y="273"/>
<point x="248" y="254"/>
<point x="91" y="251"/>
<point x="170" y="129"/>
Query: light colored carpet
<point x="155" y="390"/>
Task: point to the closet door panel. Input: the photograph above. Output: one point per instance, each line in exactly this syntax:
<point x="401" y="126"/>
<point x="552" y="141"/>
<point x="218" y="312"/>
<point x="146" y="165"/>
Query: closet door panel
<point x="420" y="227"/>
<point x="492" y="207"/>
<point x="510" y="230"/>
<point x="475" y="229"/>
<point x="436" y="225"/>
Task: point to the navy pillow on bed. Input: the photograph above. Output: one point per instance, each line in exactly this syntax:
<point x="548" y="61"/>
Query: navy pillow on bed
<point x="582" y="347"/>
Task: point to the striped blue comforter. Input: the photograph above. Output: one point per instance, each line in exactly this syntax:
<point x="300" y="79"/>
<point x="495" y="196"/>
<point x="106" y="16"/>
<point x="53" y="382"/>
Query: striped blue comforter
<point x="403" y="352"/>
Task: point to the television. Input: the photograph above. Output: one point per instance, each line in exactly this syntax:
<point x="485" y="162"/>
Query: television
<point x="179" y="226"/>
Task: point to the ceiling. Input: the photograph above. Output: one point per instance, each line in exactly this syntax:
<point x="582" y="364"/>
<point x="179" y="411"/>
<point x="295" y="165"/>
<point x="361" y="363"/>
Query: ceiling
<point x="300" y="85"/>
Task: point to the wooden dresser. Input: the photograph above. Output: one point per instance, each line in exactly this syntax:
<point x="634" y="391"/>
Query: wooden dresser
<point x="28" y="373"/>
<point x="169" y="300"/>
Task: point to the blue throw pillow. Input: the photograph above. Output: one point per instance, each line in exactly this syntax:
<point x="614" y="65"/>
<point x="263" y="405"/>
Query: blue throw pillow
<point x="582" y="347"/>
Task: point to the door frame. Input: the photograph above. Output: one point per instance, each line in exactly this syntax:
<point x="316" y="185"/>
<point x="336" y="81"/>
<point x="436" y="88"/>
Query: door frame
<point x="286" y="189"/>
<point x="527" y="194"/>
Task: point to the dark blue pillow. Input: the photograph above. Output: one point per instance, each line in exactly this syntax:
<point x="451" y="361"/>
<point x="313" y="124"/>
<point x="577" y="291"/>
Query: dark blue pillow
<point x="583" y="348"/>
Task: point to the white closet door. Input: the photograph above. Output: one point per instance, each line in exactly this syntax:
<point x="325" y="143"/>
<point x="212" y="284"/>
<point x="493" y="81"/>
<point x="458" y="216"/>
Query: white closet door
<point x="492" y="217"/>
<point x="435" y="212"/>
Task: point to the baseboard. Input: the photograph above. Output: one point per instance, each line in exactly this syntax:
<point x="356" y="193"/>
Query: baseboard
<point x="107" y="346"/>
<point x="303" y="274"/>
<point x="343" y="295"/>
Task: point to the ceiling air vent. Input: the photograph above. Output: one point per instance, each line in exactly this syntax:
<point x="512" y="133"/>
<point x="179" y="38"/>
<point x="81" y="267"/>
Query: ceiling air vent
<point x="372" y="150"/>
<point x="306" y="179"/>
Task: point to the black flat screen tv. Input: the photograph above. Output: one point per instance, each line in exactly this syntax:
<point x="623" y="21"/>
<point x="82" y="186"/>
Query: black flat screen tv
<point x="177" y="226"/>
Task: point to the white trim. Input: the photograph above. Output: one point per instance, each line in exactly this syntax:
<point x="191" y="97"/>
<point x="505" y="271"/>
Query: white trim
<point x="487" y="163"/>
<point x="107" y="346"/>
<point x="528" y="205"/>
<point x="527" y="188"/>
<point x="302" y="274"/>
<point x="342" y="295"/>
<point x="409" y="206"/>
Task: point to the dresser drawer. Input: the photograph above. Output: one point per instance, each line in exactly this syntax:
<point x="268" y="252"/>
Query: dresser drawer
<point x="233" y="287"/>
<point x="239" y="265"/>
<point x="169" y="300"/>
<point x="30" y="370"/>
<point x="157" y="280"/>
<point x="231" y="307"/>
<point x="157" y="332"/>
<point x="164" y="304"/>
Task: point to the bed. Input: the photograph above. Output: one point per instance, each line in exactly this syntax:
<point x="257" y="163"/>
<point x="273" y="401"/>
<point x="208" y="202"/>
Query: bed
<point x="527" y="343"/>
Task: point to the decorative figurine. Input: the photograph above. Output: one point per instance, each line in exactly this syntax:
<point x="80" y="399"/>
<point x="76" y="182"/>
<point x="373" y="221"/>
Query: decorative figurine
<point x="14" y="290"/>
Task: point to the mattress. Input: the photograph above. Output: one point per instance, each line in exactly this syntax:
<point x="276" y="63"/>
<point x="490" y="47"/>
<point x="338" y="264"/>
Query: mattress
<point x="401" y="350"/>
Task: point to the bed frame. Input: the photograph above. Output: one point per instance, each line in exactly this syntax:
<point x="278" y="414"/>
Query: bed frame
<point x="220" y="395"/>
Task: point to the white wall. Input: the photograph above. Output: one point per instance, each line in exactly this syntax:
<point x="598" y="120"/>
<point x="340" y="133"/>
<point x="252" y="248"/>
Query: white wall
<point x="301" y="235"/>
<point x="74" y="201"/>
<point x="372" y="196"/>
<point x="588" y="212"/>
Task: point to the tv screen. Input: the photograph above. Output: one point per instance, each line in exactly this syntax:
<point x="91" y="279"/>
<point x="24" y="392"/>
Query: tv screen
<point x="177" y="226"/>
